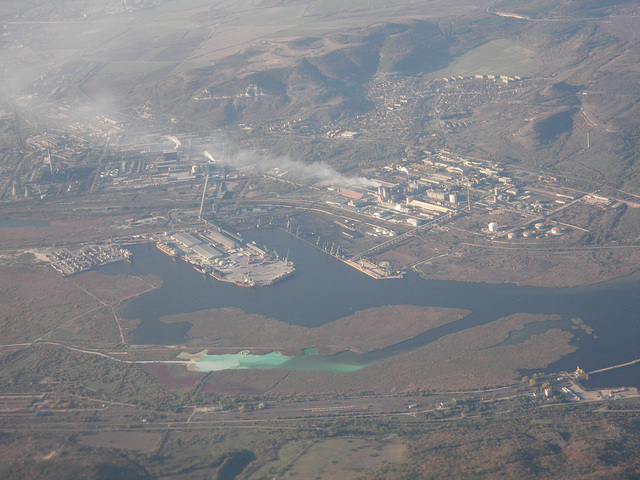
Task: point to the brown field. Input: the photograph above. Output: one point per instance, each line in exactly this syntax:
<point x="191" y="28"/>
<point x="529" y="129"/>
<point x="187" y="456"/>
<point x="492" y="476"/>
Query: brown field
<point x="38" y="303"/>
<point x="59" y="232"/>
<point x="115" y="289"/>
<point x="364" y="331"/>
<point x="139" y="441"/>
<point x="34" y="301"/>
<point x="96" y="327"/>
<point x="171" y="376"/>
<point x="251" y="382"/>
<point x="535" y="268"/>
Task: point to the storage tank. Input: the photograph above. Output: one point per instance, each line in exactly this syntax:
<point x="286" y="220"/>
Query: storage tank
<point x="493" y="227"/>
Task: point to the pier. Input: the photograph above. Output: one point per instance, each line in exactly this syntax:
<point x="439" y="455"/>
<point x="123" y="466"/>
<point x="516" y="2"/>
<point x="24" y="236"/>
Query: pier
<point x="606" y="369"/>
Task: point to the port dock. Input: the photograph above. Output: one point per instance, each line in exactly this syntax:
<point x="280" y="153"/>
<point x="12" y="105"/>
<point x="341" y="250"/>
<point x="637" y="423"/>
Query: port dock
<point x="225" y="257"/>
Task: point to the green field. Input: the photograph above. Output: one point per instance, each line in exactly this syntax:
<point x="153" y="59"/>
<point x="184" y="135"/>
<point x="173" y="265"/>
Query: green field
<point x="498" y="57"/>
<point x="337" y="458"/>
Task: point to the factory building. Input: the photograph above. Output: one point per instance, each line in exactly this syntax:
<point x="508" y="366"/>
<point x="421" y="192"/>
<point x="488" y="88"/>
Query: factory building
<point x="222" y="239"/>
<point x="384" y="193"/>
<point x="428" y="206"/>
<point x="351" y="194"/>
<point x="436" y="195"/>
<point x="206" y="251"/>
<point x="186" y="239"/>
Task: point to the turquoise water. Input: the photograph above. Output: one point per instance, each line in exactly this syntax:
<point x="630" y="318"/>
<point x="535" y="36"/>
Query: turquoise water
<point x="323" y="290"/>
<point x="237" y="361"/>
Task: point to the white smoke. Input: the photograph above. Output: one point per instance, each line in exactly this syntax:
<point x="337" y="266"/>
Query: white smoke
<point x="297" y="170"/>
<point x="209" y="156"/>
<point x="177" y="142"/>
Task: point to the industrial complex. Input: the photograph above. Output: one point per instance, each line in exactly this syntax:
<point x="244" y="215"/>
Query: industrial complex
<point x="392" y="205"/>
<point x="225" y="257"/>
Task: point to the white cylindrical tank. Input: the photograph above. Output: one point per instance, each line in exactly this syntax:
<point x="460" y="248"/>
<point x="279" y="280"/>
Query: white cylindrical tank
<point x="493" y="227"/>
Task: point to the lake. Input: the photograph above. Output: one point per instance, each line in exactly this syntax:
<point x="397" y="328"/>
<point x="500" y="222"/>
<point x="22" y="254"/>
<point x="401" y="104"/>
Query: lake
<point x="324" y="289"/>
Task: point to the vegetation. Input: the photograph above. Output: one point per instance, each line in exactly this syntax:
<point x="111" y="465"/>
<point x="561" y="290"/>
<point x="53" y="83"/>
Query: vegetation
<point x="561" y="443"/>
<point x="90" y="374"/>
<point x="629" y="225"/>
<point x="465" y="441"/>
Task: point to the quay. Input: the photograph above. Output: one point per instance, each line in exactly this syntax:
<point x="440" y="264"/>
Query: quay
<point x="225" y="257"/>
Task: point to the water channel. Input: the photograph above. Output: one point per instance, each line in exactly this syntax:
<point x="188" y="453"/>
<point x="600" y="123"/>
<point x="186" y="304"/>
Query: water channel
<point x="24" y="223"/>
<point x="323" y="289"/>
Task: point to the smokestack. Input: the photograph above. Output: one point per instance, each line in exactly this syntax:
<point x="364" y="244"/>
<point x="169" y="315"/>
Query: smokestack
<point x="204" y="191"/>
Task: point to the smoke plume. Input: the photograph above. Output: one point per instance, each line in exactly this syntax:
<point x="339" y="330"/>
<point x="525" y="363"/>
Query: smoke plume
<point x="296" y="170"/>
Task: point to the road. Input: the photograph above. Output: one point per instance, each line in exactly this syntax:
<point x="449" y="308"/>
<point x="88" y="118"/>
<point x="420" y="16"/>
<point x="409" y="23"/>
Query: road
<point x="92" y="415"/>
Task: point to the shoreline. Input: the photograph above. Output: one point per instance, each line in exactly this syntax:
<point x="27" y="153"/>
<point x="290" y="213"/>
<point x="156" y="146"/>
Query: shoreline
<point x="370" y="271"/>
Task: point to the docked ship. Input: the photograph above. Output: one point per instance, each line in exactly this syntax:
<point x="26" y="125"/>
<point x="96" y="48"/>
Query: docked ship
<point x="199" y="269"/>
<point x="280" y="277"/>
<point x="166" y="249"/>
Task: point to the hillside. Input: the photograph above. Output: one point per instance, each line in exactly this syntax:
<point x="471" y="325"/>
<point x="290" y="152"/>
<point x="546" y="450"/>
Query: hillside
<point x="321" y="79"/>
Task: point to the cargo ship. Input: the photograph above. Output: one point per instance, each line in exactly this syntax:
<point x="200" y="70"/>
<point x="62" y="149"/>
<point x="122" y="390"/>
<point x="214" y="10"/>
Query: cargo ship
<point x="199" y="269"/>
<point x="166" y="249"/>
<point x="280" y="278"/>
